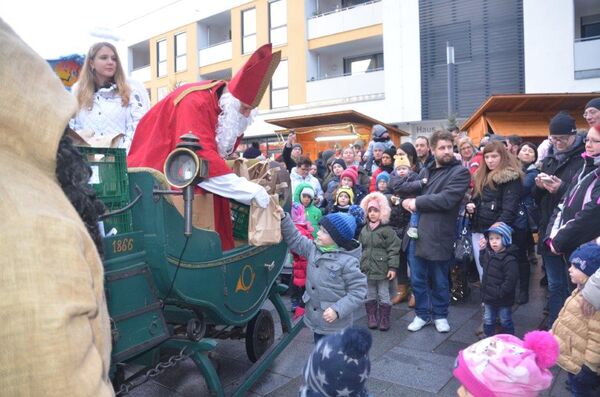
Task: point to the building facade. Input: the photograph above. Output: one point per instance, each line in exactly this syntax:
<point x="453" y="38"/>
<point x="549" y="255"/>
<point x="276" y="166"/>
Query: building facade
<point x="383" y="58"/>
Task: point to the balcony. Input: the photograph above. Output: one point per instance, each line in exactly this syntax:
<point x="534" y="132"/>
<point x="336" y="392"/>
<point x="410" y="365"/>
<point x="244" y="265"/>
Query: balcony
<point x="141" y="74"/>
<point x="357" y="86"/>
<point x="345" y="19"/>
<point x="214" y="54"/>
<point x="587" y="60"/>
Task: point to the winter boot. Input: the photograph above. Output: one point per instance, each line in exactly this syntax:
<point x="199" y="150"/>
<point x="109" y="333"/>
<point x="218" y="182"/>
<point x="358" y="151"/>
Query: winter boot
<point x="372" y="321"/>
<point x="401" y="295"/>
<point x="411" y="301"/>
<point x="384" y="313"/>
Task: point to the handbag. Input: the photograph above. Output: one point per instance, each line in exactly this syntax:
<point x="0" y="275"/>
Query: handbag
<point x="463" y="246"/>
<point x="264" y="227"/>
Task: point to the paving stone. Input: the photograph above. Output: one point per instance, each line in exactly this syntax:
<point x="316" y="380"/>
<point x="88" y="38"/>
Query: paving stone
<point x="289" y="389"/>
<point x="269" y="382"/>
<point x="450" y="348"/>
<point x="413" y="368"/>
<point x="291" y="362"/>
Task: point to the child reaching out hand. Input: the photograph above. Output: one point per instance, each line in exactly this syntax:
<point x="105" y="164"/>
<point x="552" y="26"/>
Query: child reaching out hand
<point x="335" y="286"/>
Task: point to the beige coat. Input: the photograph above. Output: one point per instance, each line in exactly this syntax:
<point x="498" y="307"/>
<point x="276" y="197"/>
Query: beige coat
<point x="578" y="336"/>
<point x="55" y="334"/>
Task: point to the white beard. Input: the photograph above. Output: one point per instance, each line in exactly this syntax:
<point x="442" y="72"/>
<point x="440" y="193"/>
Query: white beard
<point x="231" y="124"/>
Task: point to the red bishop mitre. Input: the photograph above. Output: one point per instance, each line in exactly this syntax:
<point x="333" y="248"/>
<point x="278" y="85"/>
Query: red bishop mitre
<point x="251" y="81"/>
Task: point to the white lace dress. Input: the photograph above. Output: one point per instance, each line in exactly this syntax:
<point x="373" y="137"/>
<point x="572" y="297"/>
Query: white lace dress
<point x="107" y="116"/>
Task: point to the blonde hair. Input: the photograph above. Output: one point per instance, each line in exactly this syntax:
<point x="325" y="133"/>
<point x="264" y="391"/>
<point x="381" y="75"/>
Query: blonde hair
<point x="87" y="83"/>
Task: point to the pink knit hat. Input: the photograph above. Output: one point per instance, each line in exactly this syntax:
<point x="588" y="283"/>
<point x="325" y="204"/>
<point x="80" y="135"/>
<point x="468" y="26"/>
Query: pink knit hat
<point x="505" y="366"/>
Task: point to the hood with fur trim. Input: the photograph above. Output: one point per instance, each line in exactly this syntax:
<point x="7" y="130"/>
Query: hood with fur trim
<point x="508" y="174"/>
<point x="384" y="206"/>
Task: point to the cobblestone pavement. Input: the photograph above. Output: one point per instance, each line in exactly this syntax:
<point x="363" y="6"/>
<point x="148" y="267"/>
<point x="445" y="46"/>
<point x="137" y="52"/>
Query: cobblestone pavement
<point x="403" y="363"/>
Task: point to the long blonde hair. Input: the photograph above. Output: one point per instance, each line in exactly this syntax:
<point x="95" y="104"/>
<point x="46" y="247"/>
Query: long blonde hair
<point x="484" y="176"/>
<point x="87" y="85"/>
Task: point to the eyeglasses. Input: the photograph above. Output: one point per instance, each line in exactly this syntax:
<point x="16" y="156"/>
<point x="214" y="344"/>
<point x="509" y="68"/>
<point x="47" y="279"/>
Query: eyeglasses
<point x="593" y="141"/>
<point x="560" y="138"/>
<point x="590" y="113"/>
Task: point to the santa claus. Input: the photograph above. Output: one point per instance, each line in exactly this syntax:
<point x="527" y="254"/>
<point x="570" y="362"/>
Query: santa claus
<point x="218" y="113"/>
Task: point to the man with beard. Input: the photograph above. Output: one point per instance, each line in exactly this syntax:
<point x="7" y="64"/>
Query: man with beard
<point x="431" y="256"/>
<point x="217" y="113"/>
<point x="55" y="338"/>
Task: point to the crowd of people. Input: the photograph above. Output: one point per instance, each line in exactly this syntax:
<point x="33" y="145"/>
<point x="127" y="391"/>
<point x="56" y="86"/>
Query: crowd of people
<point x="408" y="214"/>
<point x="367" y="225"/>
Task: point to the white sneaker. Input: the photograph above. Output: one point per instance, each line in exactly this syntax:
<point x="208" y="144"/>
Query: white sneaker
<point x="441" y="324"/>
<point x="417" y="324"/>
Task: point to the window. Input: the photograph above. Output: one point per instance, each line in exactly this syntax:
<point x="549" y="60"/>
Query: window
<point x="279" y="86"/>
<point x="362" y="64"/>
<point x="161" y="92"/>
<point x="278" y="22"/>
<point x="180" y="52"/>
<point x="161" y="58"/>
<point x="248" y="30"/>
<point x="590" y="26"/>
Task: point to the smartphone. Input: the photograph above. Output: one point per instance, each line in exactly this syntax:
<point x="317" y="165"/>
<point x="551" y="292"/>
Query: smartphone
<point x="547" y="178"/>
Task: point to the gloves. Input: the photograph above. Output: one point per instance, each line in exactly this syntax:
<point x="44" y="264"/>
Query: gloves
<point x="262" y="198"/>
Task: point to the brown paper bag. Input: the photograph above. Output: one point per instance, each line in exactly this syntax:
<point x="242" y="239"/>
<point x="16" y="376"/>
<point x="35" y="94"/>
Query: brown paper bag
<point x="203" y="214"/>
<point x="240" y="168"/>
<point x="264" y="227"/>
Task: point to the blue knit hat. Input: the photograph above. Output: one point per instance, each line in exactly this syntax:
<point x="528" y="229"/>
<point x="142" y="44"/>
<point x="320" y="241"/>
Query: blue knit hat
<point x="586" y="258"/>
<point x="383" y="175"/>
<point x="379" y="146"/>
<point x="503" y="230"/>
<point x="341" y="228"/>
<point x="339" y="365"/>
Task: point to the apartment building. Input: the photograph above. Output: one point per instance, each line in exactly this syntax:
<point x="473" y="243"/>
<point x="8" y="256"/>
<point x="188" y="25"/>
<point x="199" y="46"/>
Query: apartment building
<point x="382" y="58"/>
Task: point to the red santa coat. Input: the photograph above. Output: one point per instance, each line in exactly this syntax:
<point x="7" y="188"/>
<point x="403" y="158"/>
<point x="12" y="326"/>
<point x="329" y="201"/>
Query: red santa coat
<point x="191" y="108"/>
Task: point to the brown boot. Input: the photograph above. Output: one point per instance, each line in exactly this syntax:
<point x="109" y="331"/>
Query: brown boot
<point x="401" y="295"/>
<point x="371" y="307"/>
<point x="384" y="313"/>
<point x="411" y="301"/>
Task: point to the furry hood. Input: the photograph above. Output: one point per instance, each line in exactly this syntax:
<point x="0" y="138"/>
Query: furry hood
<point x="384" y="206"/>
<point x="508" y="174"/>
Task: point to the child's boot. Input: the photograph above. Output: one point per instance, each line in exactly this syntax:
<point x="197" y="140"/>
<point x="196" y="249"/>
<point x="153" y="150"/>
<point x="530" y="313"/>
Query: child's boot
<point x="371" y="307"/>
<point x="384" y="313"/>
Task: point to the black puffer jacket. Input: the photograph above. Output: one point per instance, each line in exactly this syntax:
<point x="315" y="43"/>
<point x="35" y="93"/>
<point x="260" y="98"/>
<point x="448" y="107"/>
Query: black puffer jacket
<point x="565" y="166"/>
<point x="500" y="275"/>
<point x="500" y="204"/>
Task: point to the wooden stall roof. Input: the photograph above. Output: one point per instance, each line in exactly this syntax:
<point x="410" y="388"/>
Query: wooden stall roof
<point x="527" y="115"/>
<point x="322" y="119"/>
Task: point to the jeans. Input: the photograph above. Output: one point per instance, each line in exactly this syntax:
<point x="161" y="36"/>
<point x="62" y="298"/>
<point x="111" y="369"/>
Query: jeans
<point x="379" y="290"/>
<point x="558" y="285"/>
<point x="490" y="313"/>
<point x="429" y="302"/>
<point x="584" y="382"/>
<point x="414" y="219"/>
<point x="475" y="237"/>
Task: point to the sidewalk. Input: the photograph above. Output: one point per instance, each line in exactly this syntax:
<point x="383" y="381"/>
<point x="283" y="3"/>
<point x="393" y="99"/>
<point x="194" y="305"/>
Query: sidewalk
<point x="402" y="363"/>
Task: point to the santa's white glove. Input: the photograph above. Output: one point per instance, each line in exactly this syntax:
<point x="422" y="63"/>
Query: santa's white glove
<point x="262" y="197"/>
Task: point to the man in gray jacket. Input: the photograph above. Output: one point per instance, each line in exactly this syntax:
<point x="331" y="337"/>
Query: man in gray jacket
<point x="432" y="254"/>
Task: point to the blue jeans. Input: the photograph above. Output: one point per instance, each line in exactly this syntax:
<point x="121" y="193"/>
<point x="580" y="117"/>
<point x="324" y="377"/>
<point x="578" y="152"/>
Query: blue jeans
<point x="584" y="382"/>
<point x="558" y="285"/>
<point x="429" y="302"/>
<point x="490" y="313"/>
<point x="414" y="219"/>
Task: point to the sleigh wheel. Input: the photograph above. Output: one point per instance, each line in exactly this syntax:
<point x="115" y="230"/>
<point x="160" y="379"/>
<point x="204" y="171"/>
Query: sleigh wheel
<point x="260" y="334"/>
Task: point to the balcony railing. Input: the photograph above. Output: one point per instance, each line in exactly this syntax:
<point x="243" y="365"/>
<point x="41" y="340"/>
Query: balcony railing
<point x="215" y="53"/>
<point x="345" y="19"/>
<point x="141" y="74"/>
<point x="587" y="58"/>
<point x="346" y="86"/>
